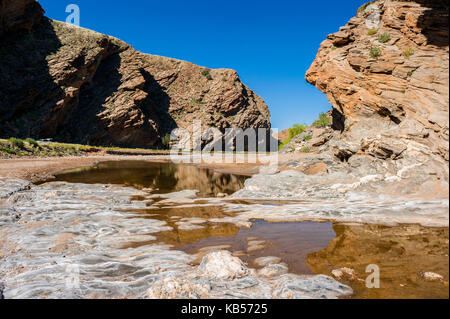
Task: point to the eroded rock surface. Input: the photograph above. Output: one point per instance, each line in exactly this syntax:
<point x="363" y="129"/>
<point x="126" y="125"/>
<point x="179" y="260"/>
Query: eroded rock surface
<point x="241" y="282"/>
<point x="386" y="75"/>
<point x="76" y="85"/>
<point x="62" y="240"/>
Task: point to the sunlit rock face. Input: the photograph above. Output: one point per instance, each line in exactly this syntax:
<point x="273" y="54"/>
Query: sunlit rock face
<point x="85" y="87"/>
<point x="386" y="75"/>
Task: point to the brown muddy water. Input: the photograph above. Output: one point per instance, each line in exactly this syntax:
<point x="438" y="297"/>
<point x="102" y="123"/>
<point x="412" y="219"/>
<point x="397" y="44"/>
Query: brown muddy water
<point x="161" y="178"/>
<point x="401" y="252"/>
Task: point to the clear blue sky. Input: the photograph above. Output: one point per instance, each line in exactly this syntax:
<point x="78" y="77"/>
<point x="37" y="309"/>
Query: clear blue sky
<point x="270" y="44"/>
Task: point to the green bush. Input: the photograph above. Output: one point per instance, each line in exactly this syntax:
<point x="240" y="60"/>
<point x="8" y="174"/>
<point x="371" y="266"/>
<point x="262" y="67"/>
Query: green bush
<point x="410" y="73"/>
<point x="372" y="31"/>
<point x="206" y="74"/>
<point x="165" y="140"/>
<point x="322" y="121"/>
<point x="296" y="129"/>
<point x="305" y="149"/>
<point x="16" y="142"/>
<point x="408" y="52"/>
<point x="307" y="138"/>
<point x="385" y="37"/>
<point x="364" y="6"/>
<point x="7" y="150"/>
<point x="375" y="52"/>
<point x="32" y="142"/>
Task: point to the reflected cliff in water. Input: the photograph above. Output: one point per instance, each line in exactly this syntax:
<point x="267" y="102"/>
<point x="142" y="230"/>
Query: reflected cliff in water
<point x="160" y="177"/>
<point x="400" y="252"/>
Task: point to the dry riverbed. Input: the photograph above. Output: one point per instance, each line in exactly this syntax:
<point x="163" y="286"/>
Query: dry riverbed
<point x="161" y="239"/>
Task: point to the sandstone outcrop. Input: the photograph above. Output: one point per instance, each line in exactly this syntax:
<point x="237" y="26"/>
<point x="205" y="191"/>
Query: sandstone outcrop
<point x="386" y="75"/>
<point x="75" y="85"/>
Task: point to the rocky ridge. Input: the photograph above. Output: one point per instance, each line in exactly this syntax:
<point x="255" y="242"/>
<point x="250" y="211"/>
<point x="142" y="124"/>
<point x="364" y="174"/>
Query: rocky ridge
<point x="386" y="76"/>
<point x="76" y="85"/>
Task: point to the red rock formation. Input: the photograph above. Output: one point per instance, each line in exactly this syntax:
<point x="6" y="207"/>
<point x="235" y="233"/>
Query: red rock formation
<point x="386" y="75"/>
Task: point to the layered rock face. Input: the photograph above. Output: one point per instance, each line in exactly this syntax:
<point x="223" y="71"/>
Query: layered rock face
<point x="76" y="85"/>
<point x="386" y="75"/>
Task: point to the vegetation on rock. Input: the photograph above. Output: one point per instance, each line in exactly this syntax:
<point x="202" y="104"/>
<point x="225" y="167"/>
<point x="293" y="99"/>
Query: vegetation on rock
<point x="408" y="52"/>
<point x="375" y="52"/>
<point x="372" y="31"/>
<point x="385" y="37"/>
<point x="323" y="121"/>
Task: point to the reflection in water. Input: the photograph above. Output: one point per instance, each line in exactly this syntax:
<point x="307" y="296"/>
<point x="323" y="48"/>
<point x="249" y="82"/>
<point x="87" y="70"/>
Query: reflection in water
<point x="174" y="217"/>
<point x="400" y="252"/>
<point x="291" y="242"/>
<point x="161" y="177"/>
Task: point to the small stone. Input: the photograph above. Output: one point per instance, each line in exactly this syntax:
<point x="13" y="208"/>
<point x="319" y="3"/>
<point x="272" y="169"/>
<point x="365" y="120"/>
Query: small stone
<point x="273" y="270"/>
<point x="223" y="265"/>
<point x="176" y="288"/>
<point x="431" y="276"/>
<point x="256" y="245"/>
<point x="344" y="272"/>
<point x="264" y="261"/>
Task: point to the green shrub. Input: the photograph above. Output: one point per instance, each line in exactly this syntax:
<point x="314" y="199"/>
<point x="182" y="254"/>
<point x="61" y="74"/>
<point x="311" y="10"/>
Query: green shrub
<point x="307" y="138"/>
<point x="305" y="149"/>
<point x="206" y="74"/>
<point x="385" y="37"/>
<point x="165" y="140"/>
<point x="364" y="6"/>
<point x="16" y="142"/>
<point x="333" y="48"/>
<point x="372" y="31"/>
<point x="410" y="73"/>
<point x="195" y="101"/>
<point x="408" y="52"/>
<point x="322" y="121"/>
<point x="375" y="52"/>
<point x="296" y="129"/>
<point x="7" y="150"/>
<point x="32" y="142"/>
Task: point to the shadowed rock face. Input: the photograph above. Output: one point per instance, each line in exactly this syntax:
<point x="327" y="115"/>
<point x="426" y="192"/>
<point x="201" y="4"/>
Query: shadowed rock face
<point x="19" y="15"/>
<point x="80" y="86"/>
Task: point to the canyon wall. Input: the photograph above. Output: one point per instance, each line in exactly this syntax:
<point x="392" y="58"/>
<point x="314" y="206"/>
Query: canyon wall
<point x="75" y="85"/>
<point x="386" y="75"/>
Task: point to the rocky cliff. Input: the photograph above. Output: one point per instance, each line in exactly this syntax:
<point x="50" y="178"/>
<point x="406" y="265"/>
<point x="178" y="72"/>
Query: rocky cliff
<point x="76" y="85"/>
<point x="19" y="15"/>
<point x="386" y="76"/>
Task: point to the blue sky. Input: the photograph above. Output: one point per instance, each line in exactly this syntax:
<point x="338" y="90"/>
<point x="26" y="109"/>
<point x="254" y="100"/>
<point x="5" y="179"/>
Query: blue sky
<point x="270" y="44"/>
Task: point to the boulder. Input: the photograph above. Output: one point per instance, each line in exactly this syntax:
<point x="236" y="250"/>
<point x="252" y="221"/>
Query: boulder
<point x="222" y="265"/>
